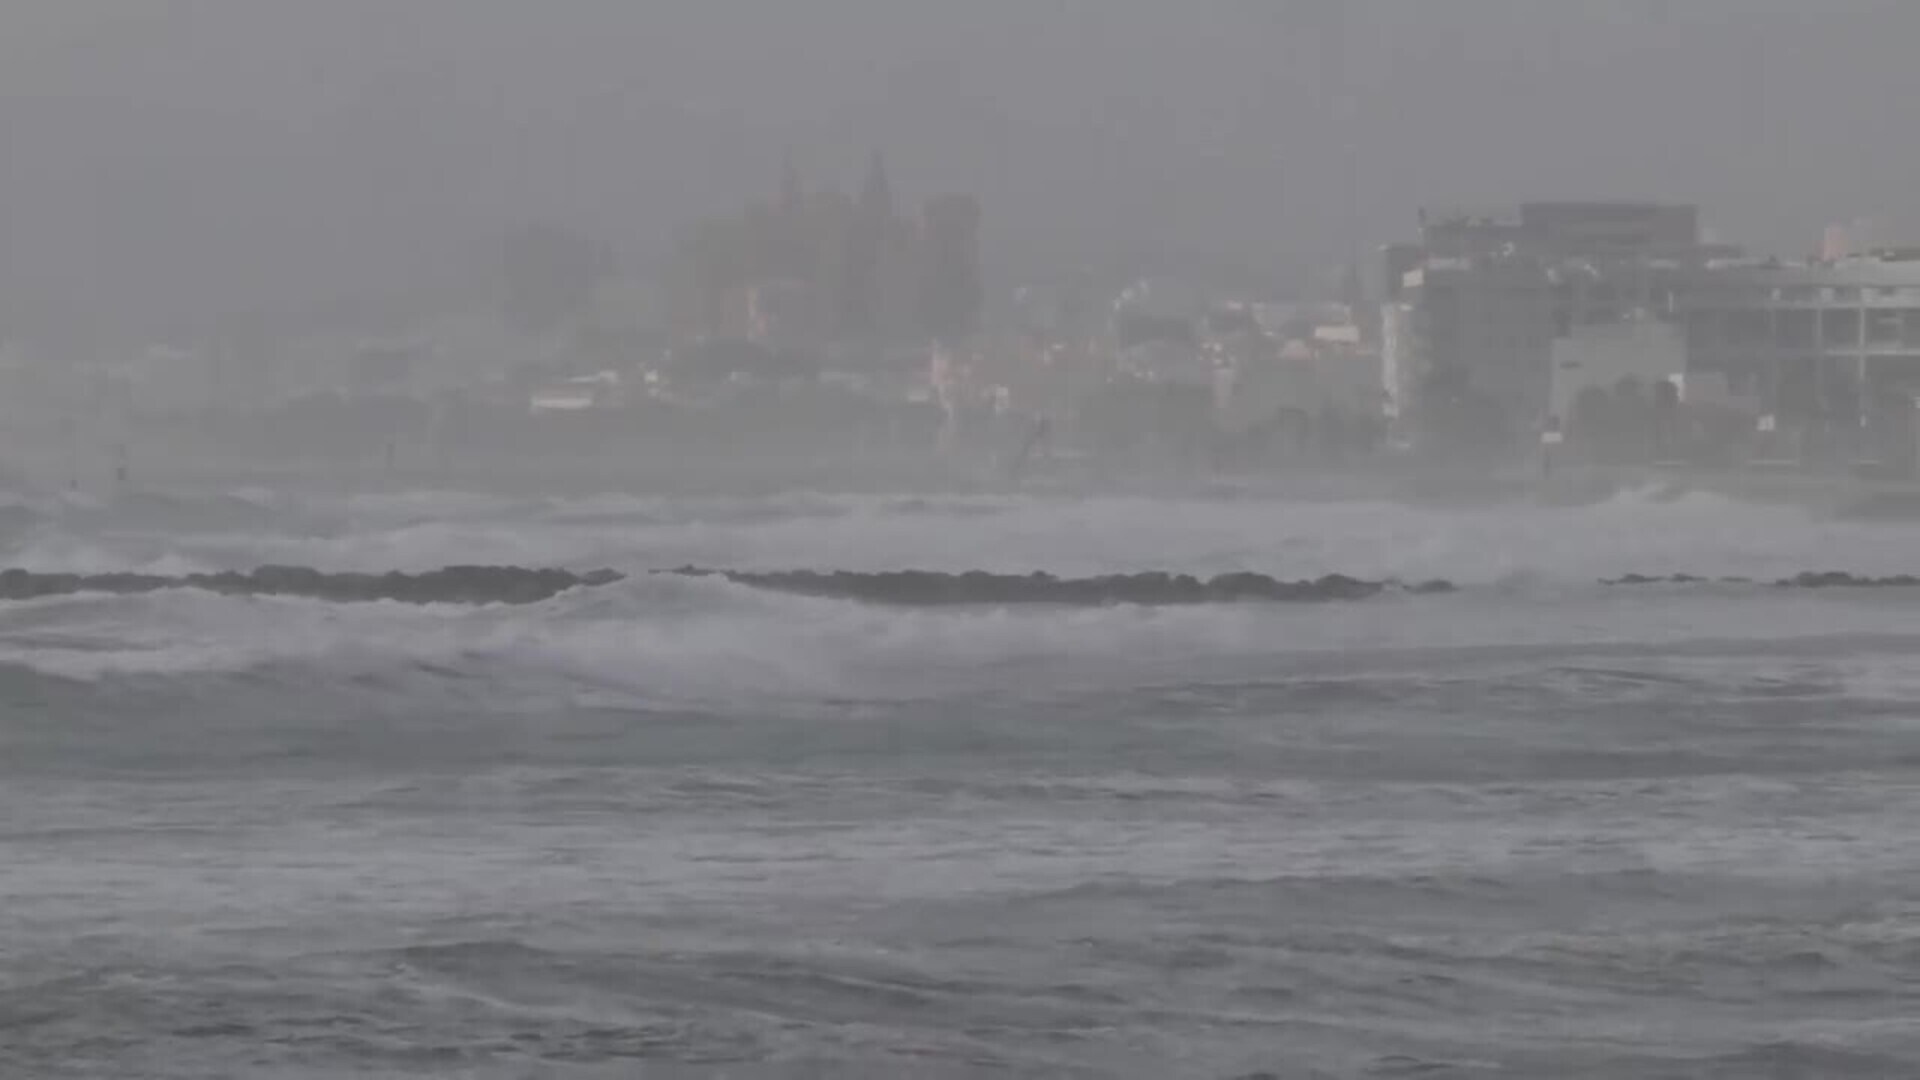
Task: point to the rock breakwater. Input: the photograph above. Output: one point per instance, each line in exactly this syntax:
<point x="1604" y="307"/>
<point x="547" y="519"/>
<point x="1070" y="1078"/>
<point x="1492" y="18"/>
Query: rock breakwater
<point x="932" y="588"/>
<point x="1807" y="579"/>
<point x="448" y="585"/>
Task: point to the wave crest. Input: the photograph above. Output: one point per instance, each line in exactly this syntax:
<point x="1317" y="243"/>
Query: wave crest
<point x="448" y="585"/>
<point x="931" y="588"/>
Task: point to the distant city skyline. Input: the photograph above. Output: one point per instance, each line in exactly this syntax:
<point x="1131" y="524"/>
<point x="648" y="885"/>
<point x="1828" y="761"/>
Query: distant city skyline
<point x="193" y="159"/>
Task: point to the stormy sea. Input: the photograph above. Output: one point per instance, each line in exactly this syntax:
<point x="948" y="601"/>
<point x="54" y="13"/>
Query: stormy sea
<point x="689" y="826"/>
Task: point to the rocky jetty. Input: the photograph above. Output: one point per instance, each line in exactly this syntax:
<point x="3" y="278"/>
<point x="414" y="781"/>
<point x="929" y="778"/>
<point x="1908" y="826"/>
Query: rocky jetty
<point x="1809" y="579"/>
<point x="912" y="588"/>
<point x="1834" y="579"/>
<point x="932" y="588"/>
<point x="449" y="585"/>
<point x="1673" y="579"/>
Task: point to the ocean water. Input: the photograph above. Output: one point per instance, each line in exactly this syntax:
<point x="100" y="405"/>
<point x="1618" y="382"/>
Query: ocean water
<point x="681" y="828"/>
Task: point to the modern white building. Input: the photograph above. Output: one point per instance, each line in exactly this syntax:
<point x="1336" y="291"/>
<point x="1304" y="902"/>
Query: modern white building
<point x="1485" y="321"/>
<point x="1814" y="335"/>
<point x="1830" y="350"/>
<point x="1603" y="355"/>
<point x="1474" y="310"/>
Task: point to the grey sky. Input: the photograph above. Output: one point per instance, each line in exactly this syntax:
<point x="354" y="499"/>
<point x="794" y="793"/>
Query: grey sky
<point x="168" y="159"/>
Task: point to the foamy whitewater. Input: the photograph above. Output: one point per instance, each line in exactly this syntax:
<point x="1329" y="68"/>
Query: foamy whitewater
<point x="680" y="827"/>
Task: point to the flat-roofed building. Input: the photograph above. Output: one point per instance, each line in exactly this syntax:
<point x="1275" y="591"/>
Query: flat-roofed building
<point x="1830" y="347"/>
<point x="1475" y="308"/>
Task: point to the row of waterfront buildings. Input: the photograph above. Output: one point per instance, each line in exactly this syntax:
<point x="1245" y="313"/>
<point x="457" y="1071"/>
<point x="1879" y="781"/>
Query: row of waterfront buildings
<point x="1496" y="328"/>
<point x="1613" y="328"/>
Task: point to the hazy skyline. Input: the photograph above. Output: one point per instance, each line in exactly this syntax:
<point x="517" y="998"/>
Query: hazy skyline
<point x="173" y="160"/>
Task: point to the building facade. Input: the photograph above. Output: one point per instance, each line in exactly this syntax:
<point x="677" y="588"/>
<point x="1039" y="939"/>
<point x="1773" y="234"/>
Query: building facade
<point x="1474" y="309"/>
<point x="1829" y="350"/>
<point x="1601" y="356"/>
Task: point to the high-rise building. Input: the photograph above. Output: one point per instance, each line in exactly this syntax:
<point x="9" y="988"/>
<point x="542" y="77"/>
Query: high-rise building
<point x="1829" y="349"/>
<point x="1474" y="308"/>
<point x="1857" y="237"/>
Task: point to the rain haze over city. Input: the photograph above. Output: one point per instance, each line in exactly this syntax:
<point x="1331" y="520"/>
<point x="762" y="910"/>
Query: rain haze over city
<point x="884" y="538"/>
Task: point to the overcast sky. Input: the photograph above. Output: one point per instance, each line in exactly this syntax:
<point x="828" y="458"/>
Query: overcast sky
<point x="175" y="158"/>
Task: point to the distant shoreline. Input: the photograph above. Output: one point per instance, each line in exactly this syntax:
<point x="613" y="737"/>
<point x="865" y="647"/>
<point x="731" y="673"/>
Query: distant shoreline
<point x="642" y="470"/>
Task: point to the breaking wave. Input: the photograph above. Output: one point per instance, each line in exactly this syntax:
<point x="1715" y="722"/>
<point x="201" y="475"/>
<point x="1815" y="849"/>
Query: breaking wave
<point x="906" y="594"/>
<point x="449" y="585"/>
<point x="918" y="588"/>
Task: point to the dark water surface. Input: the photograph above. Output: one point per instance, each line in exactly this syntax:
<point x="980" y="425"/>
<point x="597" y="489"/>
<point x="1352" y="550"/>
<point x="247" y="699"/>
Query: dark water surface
<point x="674" y="828"/>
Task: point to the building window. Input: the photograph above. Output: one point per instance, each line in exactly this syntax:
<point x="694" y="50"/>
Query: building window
<point x="1840" y="328"/>
<point x="1748" y="327"/>
<point x="1798" y="329"/>
<point x="1702" y="330"/>
<point x="1883" y="328"/>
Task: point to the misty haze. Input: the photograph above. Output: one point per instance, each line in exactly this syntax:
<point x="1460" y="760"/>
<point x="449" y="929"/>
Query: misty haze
<point x="885" y="538"/>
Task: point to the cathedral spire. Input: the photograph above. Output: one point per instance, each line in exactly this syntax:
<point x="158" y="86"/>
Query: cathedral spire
<point x="790" y="194"/>
<point x="876" y="195"/>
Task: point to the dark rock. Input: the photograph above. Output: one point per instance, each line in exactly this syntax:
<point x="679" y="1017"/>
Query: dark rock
<point x="451" y="585"/>
<point x="1808" y="579"/>
<point x="927" y="587"/>
<point x="1835" y="579"/>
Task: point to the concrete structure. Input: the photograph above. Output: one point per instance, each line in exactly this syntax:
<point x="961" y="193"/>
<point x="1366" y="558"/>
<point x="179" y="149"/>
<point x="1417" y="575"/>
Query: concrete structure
<point x="1399" y="360"/>
<point x="1629" y="230"/>
<point x="1830" y="349"/>
<point x="1158" y="327"/>
<point x="1604" y="355"/>
<point x="1477" y="308"/>
<point x="1484" y="322"/>
<point x="1860" y="236"/>
<point x="1334" y="371"/>
<point x="600" y="390"/>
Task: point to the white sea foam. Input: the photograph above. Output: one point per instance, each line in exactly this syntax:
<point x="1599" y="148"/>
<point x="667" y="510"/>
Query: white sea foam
<point x="1634" y="531"/>
<point x="674" y="637"/>
<point x="267" y="835"/>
